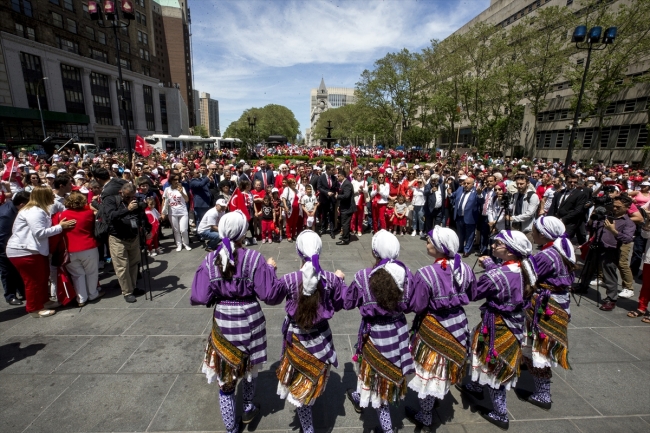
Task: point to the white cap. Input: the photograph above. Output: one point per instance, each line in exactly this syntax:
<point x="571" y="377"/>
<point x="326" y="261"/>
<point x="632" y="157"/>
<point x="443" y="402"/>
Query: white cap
<point x="84" y="190"/>
<point x="462" y="177"/>
<point x="222" y="202"/>
<point x="115" y="166"/>
<point x="275" y="190"/>
<point x="317" y="167"/>
<point x="61" y="170"/>
<point x="50" y="175"/>
<point x="241" y="161"/>
<point x="78" y="176"/>
<point x="21" y="165"/>
<point x="126" y="170"/>
<point x="645" y="183"/>
<point x="416" y="167"/>
<point x="81" y="171"/>
<point x="591" y="178"/>
<point x="367" y="172"/>
<point x="389" y="170"/>
<point x="524" y="166"/>
<point x="292" y="171"/>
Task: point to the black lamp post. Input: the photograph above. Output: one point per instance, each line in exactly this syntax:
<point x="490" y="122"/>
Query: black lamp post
<point x="251" y="125"/>
<point x="588" y="40"/>
<point x="114" y="21"/>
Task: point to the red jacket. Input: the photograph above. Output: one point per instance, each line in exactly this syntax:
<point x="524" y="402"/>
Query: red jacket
<point x="82" y="236"/>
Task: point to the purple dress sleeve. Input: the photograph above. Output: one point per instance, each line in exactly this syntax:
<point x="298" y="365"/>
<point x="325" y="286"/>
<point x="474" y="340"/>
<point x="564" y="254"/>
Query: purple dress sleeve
<point x="353" y="294"/>
<point x="419" y="300"/>
<point x="338" y="291"/>
<point x="201" y="291"/>
<point x="489" y="264"/>
<point x="481" y="289"/>
<point x="268" y="287"/>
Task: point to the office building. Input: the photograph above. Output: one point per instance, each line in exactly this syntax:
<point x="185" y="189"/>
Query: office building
<point x="324" y="98"/>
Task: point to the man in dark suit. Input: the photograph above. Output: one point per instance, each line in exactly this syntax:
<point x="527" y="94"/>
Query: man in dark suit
<point x="327" y="188"/>
<point x="434" y="197"/>
<point x="265" y="175"/>
<point x="466" y="204"/>
<point x="569" y="206"/>
<point x="347" y="206"/>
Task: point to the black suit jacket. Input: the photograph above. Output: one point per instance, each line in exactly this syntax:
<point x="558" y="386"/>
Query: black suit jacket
<point x="346" y="198"/>
<point x="270" y="179"/>
<point x="572" y="209"/>
<point x="430" y="197"/>
<point x="324" y="187"/>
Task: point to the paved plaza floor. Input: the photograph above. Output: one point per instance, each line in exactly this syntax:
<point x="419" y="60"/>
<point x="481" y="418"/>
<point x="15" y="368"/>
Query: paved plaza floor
<point x="118" y="367"/>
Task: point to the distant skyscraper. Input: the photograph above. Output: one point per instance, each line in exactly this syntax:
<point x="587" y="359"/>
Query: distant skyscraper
<point x="209" y="109"/>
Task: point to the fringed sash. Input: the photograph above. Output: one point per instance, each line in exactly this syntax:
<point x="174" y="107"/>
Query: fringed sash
<point x="548" y="323"/>
<point x="302" y="373"/>
<point x="434" y="346"/>
<point x="380" y="375"/>
<point x="228" y="362"/>
<point x="497" y="347"/>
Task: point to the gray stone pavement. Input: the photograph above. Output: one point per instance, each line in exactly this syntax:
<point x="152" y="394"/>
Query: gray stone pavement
<point x="118" y="367"/>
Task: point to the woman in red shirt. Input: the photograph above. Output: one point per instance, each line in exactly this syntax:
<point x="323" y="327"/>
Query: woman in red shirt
<point x="82" y="247"/>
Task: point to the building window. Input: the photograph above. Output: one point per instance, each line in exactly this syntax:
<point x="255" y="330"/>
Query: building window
<point x="630" y="105"/>
<point x="101" y="38"/>
<point x="141" y="18"/>
<point x="148" y="107"/>
<point x="589" y="136"/>
<point x="604" y="137"/>
<point x="124" y="31"/>
<point x="623" y="134"/>
<point x="140" y="2"/>
<point x="144" y="54"/>
<point x="25" y="32"/>
<point x="98" y="55"/>
<point x="22" y="6"/>
<point x="125" y="47"/>
<point x="547" y="139"/>
<point x="32" y="75"/>
<point x="72" y="89"/>
<point x="90" y="33"/>
<point x="611" y="108"/>
<point x="101" y="98"/>
<point x="57" y="20"/>
<point x="540" y="117"/>
<point x="126" y="63"/>
<point x="561" y="137"/>
<point x="68" y="4"/>
<point x="564" y="114"/>
<point x="71" y="25"/>
<point x="146" y="70"/>
<point x="143" y="38"/>
<point x="642" y="140"/>
<point x="580" y="62"/>
<point x="66" y="45"/>
<point x="163" y="113"/>
<point x="56" y="2"/>
<point x="128" y="104"/>
<point x="86" y="14"/>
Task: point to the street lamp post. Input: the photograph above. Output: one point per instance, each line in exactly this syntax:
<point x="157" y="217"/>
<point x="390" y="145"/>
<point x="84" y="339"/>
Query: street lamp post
<point x="251" y="126"/>
<point x="114" y="21"/>
<point x="38" y="101"/>
<point x="591" y="38"/>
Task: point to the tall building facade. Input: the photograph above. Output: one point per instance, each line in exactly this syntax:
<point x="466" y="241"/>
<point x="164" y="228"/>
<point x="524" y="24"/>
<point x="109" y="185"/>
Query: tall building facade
<point x="52" y="53"/>
<point x="625" y="133"/>
<point x="210" y="114"/>
<point x="324" y="98"/>
<point x="176" y="22"/>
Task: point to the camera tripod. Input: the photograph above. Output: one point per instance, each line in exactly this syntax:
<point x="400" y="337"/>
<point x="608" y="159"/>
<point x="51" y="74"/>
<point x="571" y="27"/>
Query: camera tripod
<point x="143" y="266"/>
<point x="592" y="255"/>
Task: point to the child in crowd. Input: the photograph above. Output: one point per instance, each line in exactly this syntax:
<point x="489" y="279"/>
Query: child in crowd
<point x="153" y="247"/>
<point x="401" y="208"/>
<point x="309" y="203"/>
<point x="277" y="213"/>
<point x="265" y="215"/>
<point x="390" y="216"/>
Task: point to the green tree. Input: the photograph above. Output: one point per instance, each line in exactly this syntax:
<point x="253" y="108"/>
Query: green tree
<point x="271" y="119"/>
<point x="201" y="131"/>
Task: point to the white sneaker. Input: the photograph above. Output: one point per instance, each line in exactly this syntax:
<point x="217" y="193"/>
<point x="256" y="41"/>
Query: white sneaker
<point x="626" y="293"/>
<point x="246" y="243"/>
<point x="413" y="233"/>
<point x="160" y="250"/>
<point x="188" y="248"/>
<point x="595" y="282"/>
<point x="254" y="241"/>
<point x="179" y="248"/>
<point x="153" y="253"/>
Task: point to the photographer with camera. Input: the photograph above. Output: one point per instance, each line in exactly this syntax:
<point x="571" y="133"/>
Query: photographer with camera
<point x="568" y="205"/>
<point x="125" y="217"/>
<point x="612" y="231"/>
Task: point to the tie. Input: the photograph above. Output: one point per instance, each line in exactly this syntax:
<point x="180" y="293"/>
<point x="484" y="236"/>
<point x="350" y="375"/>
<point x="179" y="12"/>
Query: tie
<point x="487" y="202"/>
<point x="565" y="196"/>
<point x="462" y="204"/>
<point x="329" y="181"/>
<point x="264" y="177"/>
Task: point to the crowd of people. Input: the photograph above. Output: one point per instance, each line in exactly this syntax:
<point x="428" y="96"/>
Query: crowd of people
<point x="65" y="217"/>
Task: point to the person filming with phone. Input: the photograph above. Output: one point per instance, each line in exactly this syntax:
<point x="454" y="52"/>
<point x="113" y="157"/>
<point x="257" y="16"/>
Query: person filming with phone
<point x="611" y="231"/>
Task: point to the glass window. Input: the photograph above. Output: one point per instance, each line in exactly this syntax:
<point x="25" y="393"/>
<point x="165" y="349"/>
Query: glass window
<point x="642" y="140"/>
<point x="67" y="45"/>
<point x="30" y="33"/>
<point x="101" y="38"/>
<point x="604" y="137"/>
<point x="148" y="107"/>
<point x="20" y="30"/>
<point x="68" y="5"/>
<point x="57" y="20"/>
<point x="71" y="25"/>
<point x="86" y="14"/>
<point x="124" y="31"/>
<point x="101" y="98"/>
<point x="140" y="2"/>
<point x="98" y="55"/>
<point x="72" y="89"/>
<point x="588" y="137"/>
<point x="629" y="105"/>
<point x="56" y="2"/>
<point x="623" y="134"/>
<point x="163" y="113"/>
<point x="90" y="33"/>
<point x="33" y="77"/>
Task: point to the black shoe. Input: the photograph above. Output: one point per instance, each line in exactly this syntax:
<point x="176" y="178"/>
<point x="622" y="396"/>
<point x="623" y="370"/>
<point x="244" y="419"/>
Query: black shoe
<point x="248" y="417"/>
<point x="130" y="299"/>
<point x="540" y="404"/>
<point x="343" y="243"/>
<point x="410" y="415"/>
<point x="15" y="301"/>
<point x="501" y="424"/>
<point x="333" y="235"/>
<point x="424" y="238"/>
<point x="139" y="292"/>
<point x="464" y="390"/>
<point x="357" y="408"/>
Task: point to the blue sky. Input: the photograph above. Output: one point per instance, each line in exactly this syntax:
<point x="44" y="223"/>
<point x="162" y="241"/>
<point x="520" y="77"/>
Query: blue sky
<point x="250" y="53"/>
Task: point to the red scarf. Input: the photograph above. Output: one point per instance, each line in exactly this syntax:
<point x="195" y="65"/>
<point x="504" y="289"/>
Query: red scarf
<point x="443" y="262"/>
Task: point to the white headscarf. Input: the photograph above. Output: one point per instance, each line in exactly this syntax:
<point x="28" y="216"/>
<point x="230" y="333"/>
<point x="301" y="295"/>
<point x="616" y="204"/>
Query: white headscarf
<point x="518" y="244"/>
<point x="232" y="227"/>
<point x="553" y="228"/>
<point x="308" y="247"/>
<point x="386" y="246"/>
<point x="446" y="241"/>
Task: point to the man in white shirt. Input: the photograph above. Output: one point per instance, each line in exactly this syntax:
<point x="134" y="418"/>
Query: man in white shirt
<point x="524" y="207"/>
<point x="209" y="225"/>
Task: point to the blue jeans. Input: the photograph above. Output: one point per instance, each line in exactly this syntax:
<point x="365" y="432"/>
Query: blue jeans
<point x="213" y="238"/>
<point x="417" y="219"/>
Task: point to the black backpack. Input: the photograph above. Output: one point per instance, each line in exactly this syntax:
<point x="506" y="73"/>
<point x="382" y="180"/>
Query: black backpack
<point x="102" y="224"/>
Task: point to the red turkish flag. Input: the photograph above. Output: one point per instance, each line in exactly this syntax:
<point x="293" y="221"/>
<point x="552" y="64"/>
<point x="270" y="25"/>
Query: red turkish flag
<point x="10" y="168"/>
<point x="142" y="147"/>
<point x="238" y="201"/>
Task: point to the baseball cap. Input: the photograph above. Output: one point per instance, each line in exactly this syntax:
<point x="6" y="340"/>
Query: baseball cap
<point x="275" y="190"/>
<point x="61" y="170"/>
<point x="645" y="183"/>
<point x="462" y="177"/>
<point x="78" y="176"/>
<point x="50" y="175"/>
<point x="222" y="202"/>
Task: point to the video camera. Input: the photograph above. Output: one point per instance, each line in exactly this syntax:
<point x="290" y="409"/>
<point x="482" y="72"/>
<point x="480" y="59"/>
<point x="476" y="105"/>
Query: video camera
<point x="506" y="199"/>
